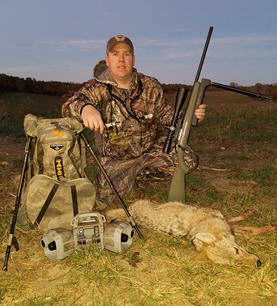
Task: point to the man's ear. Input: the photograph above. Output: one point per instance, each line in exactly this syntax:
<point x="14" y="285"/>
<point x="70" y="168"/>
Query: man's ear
<point x="107" y="60"/>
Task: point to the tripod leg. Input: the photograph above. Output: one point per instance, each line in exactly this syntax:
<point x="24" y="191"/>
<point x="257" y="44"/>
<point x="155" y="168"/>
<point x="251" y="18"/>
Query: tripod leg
<point x="12" y="240"/>
<point x="111" y="185"/>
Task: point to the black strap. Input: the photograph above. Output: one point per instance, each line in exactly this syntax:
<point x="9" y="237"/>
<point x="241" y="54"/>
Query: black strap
<point x="74" y="200"/>
<point x="130" y="111"/>
<point x="46" y="204"/>
<point x="109" y="86"/>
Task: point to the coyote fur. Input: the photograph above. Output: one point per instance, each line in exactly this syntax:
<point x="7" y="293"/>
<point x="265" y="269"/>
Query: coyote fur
<point x="206" y="228"/>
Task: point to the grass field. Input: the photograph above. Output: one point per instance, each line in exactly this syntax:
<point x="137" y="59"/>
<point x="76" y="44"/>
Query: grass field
<point x="237" y="146"/>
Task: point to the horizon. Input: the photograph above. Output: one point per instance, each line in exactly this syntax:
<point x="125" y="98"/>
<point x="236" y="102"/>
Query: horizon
<point x="62" y="41"/>
<point x="234" y="84"/>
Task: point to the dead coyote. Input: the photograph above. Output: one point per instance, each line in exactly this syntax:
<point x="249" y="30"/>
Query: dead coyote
<point x="206" y="228"/>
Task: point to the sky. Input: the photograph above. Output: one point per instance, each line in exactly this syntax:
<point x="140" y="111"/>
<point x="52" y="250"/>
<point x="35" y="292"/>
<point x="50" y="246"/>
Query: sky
<point x="62" y="40"/>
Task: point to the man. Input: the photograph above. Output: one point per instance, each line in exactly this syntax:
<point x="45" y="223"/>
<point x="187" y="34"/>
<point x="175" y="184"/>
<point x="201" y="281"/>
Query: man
<point x="129" y="110"/>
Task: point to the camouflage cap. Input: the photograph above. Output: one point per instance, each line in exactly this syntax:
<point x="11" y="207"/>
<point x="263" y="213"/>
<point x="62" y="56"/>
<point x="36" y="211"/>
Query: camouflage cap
<point x="119" y="38"/>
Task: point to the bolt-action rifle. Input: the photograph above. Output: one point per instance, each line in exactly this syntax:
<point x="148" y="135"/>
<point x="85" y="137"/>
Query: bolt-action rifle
<point x="177" y="187"/>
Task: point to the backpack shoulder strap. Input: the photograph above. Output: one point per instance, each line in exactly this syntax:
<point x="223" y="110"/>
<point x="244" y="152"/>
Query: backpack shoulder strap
<point x="46" y="204"/>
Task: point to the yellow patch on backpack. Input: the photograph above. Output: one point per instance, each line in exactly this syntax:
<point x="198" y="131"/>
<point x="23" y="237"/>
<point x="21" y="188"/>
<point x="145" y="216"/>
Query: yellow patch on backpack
<point x="57" y="133"/>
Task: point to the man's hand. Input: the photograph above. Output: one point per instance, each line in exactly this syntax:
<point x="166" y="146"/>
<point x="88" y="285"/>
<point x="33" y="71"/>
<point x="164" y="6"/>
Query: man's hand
<point x="92" y="119"/>
<point x="200" y="112"/>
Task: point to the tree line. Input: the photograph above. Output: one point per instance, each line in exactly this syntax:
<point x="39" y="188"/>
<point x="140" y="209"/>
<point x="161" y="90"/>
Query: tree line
<point x="31" y="85"/>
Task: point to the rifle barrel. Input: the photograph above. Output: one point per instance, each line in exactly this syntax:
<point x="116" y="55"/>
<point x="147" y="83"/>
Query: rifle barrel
<point x="203" y="54"/>
<point x="241" y="91"/>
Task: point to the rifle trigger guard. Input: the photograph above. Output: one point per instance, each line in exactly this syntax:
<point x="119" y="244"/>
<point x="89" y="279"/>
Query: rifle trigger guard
<point x="180" y="157"/>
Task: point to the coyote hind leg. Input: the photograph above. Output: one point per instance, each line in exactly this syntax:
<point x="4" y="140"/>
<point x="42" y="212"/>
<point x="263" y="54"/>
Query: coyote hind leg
<point x="254" y="230"/>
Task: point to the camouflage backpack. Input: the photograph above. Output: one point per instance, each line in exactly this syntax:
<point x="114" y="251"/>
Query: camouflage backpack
<point x="56" y="187"/>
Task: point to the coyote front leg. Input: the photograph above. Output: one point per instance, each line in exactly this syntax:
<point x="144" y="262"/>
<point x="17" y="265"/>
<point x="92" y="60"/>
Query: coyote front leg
<point x="247" y="213"/>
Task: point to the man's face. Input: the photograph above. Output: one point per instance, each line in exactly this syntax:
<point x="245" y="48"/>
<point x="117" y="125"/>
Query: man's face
<point x="120" y="61"/>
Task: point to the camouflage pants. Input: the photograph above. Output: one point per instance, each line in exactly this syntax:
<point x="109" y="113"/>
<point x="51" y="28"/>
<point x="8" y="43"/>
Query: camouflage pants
<point x="154" y="165"/>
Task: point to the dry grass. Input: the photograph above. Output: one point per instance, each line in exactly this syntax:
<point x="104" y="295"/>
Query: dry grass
<point x="162" y="270"/>
<point x="157" y="271"/>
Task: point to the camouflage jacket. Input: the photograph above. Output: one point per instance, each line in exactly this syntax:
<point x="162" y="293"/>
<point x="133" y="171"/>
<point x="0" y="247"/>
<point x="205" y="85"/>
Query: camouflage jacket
<point x="135" y="119"/>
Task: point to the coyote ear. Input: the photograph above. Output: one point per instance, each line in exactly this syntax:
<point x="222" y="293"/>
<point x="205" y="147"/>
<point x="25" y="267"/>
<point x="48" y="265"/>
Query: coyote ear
<point x="201" y="239"/>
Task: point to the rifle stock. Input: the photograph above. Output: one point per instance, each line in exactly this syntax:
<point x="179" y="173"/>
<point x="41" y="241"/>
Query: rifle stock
<point x="200" y="97"/>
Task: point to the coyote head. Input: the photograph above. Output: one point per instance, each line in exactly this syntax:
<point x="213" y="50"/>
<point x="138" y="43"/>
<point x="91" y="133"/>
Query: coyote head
<point x="223" y="250"/>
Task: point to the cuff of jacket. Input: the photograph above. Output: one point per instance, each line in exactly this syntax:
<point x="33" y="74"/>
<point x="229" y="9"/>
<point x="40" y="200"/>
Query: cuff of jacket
<point x="82" y="107"/>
